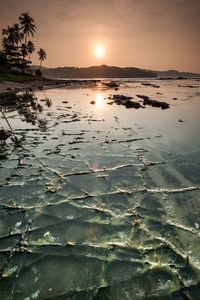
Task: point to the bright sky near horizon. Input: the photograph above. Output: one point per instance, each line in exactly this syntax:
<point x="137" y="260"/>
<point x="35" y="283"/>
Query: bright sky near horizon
<point x="150" y="34"/>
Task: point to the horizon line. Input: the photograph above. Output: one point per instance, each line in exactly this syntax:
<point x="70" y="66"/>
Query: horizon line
<point x="152" y="70"/>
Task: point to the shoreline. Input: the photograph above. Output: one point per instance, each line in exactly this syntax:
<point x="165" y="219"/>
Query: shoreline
<point x="9" y="86"/>
<point x="48" y="83"/>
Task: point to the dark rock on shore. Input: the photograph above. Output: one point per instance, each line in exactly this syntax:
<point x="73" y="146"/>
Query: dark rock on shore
<point x="126" y="101"/>
<point x="111" y="84"/>
<point x="150" y="84"/>
<point x="4" y="134"/>
<point x="131" y="104"/>
<point x="155" y="103"/>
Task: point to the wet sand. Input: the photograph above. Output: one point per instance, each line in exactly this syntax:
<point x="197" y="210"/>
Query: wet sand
<point x="6" y="86"/>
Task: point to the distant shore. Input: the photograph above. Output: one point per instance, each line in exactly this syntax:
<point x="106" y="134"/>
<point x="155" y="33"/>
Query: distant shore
<point x="6" y="86"/>
<point x="48" y="83"/>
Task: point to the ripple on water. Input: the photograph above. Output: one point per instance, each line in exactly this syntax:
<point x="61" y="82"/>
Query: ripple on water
<point x="101" y="202"/>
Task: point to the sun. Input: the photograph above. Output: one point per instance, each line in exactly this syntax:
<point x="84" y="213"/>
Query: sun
<point x="99" y="51"/>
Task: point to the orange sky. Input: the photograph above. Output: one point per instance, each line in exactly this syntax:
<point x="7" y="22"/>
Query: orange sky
<point x="151" y="34"/>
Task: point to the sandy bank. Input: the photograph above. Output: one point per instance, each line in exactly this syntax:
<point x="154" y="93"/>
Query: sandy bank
<point x="6" y="86"/>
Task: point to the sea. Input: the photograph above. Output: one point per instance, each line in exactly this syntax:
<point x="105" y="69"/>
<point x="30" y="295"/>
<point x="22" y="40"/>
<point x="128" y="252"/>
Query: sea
<point x="99" y="200"/>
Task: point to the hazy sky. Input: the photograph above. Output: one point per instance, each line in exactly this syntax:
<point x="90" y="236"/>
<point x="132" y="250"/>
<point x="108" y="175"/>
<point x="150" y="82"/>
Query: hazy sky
<point x="151" y="34"/>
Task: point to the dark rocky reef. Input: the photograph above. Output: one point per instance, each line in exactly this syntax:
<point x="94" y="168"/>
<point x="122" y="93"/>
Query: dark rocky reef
<point x="155" y="103"/>
<point x="126" y="101"/>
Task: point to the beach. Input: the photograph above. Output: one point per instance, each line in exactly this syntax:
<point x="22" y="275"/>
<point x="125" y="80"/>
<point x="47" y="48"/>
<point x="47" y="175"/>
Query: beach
<point x="100" y="195"/>
<point x="10" y="85"/>
<point x="6" y="86"/>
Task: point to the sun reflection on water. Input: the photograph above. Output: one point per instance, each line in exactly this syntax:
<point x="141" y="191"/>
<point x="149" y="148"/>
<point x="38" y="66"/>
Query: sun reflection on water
<point x="99" y="100"/>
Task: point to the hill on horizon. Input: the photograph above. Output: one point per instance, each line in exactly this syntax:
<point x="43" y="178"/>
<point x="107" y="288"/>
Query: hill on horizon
<point x="105" y="71"/>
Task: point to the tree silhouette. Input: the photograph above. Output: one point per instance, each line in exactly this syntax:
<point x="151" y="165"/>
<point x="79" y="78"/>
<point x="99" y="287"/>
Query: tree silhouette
<point x="42" y="55"/>
<point x="24" y="53"/>
<point x="30" y="48"/>
<point x="10" y="44"/>
<point x="27" y="25"/>
<point x="10" y="32"/>
<point x="5" y="43"/>
<point x="18" y="36"/>
<point x="24" y="50"/>
<point x="16" y="46"/>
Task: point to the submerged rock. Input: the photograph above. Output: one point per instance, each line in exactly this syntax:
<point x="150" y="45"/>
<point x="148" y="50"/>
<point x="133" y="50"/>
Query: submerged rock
<point x="137" y="223"/>
<point x="155" y="103"/>
<point x="150" y="84"/>
<point x="126" y="101"/>
<point x="131" y="104"/>
<point x="4" y="134"/>
<point x="112" y="84"/>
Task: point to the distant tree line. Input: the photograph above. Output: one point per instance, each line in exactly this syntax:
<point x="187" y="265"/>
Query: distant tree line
<point x="17" y="46"/>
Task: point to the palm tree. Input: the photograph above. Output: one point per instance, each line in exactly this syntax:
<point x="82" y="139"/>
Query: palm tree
<point x="10" y="43"/>
<point x="42" y="55"/>
<point x="9" y="47"/>
<point x="18" y="36"/>
<point x="4" y="43"/>
<point x="28" y="25"/>
<point x="30" y="48"/>
<point x="24" y="53"/>
<point x="10" y="32"/>
<point x="14" y="36"/>
<point x="24" y="50"/>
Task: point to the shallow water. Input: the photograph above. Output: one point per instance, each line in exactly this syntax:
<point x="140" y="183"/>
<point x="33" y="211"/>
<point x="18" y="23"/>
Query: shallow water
<point x="99" y="201"/>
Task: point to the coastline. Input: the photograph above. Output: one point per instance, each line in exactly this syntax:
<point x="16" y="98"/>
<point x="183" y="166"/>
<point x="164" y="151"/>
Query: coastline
<point x="7" y="86"/>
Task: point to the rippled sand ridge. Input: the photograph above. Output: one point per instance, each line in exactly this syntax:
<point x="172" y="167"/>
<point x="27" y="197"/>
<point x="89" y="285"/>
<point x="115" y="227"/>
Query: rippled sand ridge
<point x="101" y="201"/>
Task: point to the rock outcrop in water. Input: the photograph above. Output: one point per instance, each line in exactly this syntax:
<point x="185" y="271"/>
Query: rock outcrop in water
<point x="155" y="103"/>
<point x="126" y="101"/>
<point x="4" y="134"/>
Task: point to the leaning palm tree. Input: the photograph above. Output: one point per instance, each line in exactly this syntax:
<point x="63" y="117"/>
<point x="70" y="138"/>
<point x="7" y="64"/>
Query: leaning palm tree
<point x="27" y="25"/>
<point x="30" y="48"/>
<point x="42" y="55"/>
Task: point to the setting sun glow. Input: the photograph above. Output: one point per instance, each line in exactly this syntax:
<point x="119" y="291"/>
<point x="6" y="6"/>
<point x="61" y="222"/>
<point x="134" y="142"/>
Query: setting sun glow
<point x="99" y="51"/>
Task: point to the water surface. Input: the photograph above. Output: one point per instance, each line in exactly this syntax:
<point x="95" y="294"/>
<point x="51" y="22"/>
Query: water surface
<point x="99" y="201"/>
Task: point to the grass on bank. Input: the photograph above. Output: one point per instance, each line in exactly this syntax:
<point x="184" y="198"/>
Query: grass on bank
<point x="8" y="98"/>
<point x="19" y="78"/>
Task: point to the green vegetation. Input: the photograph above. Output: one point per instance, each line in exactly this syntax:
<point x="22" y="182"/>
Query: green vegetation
<point x="17" y="48"/>
<point x="38" y="72"/>
<point x="4" y="65"/>
<point x="8" y="98"/>
<point x="18" y="78"/>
